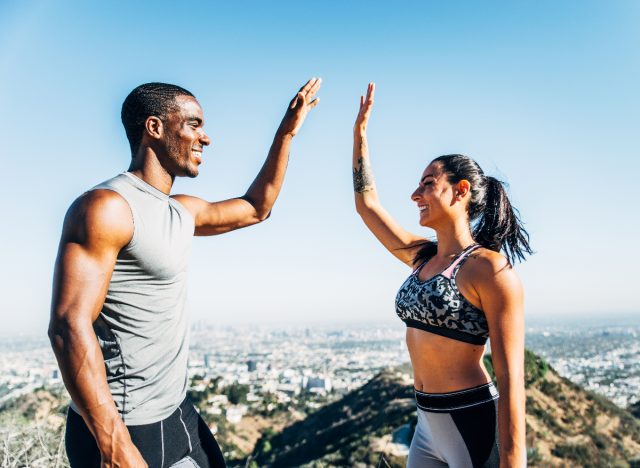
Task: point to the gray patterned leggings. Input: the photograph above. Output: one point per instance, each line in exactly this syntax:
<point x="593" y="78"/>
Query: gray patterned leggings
<point x="456" y="430"/>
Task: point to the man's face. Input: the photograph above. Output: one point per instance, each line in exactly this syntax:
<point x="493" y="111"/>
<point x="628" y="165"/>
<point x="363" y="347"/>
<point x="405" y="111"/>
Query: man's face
<point x="184" y="138"/>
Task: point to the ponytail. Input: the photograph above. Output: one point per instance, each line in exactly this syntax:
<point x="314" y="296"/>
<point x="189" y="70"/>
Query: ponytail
<point x="499" y="226"/>
<point x="496" y="224"/>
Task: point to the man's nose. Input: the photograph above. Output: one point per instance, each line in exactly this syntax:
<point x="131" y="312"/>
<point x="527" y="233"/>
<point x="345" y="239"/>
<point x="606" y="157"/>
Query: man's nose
<point x="204" y="139"/>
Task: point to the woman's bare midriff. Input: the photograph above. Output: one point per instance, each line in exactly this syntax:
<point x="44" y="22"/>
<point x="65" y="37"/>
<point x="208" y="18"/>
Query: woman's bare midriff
<point x="442" y="365"/>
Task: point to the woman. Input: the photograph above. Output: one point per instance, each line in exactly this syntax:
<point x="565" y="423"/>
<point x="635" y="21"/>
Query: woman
<point x="461" y="292"/>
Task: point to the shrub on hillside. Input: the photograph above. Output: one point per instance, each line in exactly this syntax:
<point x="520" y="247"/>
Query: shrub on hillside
<point x="535" y="368"/>
<point x="237" y="393"/>
<point x="26" y="443"/>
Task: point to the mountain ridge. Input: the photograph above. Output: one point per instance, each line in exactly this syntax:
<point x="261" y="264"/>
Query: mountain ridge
<point x="566" y="426"/>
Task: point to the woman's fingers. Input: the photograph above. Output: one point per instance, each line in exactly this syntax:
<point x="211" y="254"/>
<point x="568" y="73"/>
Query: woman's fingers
<point x="371" y="90"/>
<point x="365" y="106"/>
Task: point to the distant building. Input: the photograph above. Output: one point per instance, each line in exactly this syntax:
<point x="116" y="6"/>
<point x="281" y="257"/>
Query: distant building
<point x="319" y="384"/>
<point x="235" y="413"/>
<point x="288" y="389"/>
<point x="218" y="400"/>
<point x="252" y="366"/>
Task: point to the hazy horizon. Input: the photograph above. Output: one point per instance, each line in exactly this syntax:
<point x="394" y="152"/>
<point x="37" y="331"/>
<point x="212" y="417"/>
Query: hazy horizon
<point x="609" y="320"/>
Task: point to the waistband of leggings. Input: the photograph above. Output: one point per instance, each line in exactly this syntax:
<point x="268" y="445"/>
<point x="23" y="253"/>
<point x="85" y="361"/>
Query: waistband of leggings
<point x="466" y="398"/>
<point x="185" y="405"/>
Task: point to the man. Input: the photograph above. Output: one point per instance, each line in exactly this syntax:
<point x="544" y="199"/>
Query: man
<point x="118" y="325"/>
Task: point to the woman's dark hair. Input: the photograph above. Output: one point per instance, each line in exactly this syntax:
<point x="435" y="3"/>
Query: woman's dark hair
<point x="495" y="222"/>
<point x="157" y="99"/>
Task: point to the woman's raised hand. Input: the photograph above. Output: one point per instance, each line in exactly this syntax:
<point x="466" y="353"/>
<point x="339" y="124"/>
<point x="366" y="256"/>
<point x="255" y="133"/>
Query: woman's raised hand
<point x="366" y="103"/>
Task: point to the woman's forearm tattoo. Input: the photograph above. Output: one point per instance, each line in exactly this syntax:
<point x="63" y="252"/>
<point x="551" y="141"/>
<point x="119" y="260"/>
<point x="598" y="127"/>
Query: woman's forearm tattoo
<point x="362" y="176"/>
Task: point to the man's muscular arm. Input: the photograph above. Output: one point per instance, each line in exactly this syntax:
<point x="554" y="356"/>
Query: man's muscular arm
<point x="255" y="206"/>
<point x="97" y="226"/>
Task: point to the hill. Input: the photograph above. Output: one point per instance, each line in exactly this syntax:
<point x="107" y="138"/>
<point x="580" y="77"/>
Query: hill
<point x="343" y="432"/>
<point x="566" y="426"/>
<point x="32" y="430"/>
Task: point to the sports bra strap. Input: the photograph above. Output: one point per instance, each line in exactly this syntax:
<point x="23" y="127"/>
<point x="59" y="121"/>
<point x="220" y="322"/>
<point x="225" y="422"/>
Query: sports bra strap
<point x="452" y="270"/>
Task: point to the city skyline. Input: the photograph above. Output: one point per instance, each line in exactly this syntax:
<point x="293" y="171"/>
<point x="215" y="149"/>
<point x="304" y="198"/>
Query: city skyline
<point x="543" y="95"/>
<point x="599" y="356"/>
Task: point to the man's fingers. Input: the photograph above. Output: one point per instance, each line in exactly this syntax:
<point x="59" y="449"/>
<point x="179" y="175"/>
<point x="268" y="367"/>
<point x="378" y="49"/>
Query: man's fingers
<point x="307" y="92"/>
<point x="314" y="87"/>
<point x="294" y="101"/>
<point x="314" y="103"/>
<point x="307" y="86"/>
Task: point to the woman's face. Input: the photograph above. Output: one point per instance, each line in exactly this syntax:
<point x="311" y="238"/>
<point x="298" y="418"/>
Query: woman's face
<point x="436" y="197"/>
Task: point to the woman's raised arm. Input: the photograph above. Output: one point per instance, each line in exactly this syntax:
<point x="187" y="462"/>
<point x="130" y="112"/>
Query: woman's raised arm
<point x="401" y="243"/>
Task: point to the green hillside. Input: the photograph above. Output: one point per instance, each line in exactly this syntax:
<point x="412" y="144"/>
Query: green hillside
<point x="566" y="426"/>
<point x="341" y="432"/>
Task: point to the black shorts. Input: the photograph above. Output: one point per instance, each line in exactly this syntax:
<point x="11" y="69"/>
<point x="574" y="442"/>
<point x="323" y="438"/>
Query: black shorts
<point x="182" y="440"/>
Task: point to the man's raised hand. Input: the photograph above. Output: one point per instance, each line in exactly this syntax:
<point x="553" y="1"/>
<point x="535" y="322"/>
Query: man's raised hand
<point x="300" y="106"/>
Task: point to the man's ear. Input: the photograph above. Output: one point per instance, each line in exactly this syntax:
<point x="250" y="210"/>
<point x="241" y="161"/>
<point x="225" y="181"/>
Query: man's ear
<point x="153" y="127"/>
<point x="462" y="188"/>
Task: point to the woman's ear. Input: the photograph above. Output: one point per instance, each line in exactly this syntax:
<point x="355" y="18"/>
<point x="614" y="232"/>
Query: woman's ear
<point x="462" y="188"/>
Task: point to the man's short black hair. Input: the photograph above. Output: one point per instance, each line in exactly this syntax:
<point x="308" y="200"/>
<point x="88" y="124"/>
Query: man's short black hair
<point x="157" y="99"/>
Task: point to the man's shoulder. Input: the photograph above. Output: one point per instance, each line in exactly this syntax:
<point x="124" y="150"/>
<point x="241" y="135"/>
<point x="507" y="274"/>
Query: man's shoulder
<point x="99" y="213"/>
<point x="99" y="200"/>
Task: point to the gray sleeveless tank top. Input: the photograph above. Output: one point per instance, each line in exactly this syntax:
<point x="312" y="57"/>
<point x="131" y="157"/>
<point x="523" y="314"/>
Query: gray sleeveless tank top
<point x="143" y="326"/>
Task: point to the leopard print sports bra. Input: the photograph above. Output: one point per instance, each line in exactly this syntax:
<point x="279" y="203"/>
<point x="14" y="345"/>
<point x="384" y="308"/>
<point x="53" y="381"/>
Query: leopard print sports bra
<point x="437" y="306"/>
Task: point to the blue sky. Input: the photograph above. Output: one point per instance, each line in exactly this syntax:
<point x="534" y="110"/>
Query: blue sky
<point x="543" y="94"/>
